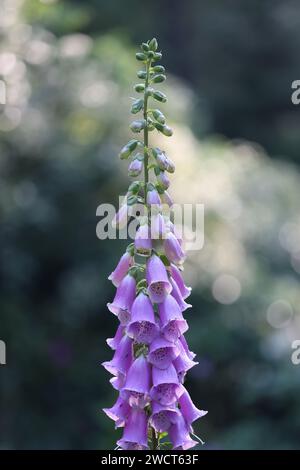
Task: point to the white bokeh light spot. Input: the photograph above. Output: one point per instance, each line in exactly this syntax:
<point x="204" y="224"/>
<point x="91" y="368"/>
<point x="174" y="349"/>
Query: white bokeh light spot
<point x="226" y="289"/>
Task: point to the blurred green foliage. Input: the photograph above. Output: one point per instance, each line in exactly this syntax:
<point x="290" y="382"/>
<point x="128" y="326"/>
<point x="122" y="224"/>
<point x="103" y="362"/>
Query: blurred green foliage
<point x="69" y="80"/>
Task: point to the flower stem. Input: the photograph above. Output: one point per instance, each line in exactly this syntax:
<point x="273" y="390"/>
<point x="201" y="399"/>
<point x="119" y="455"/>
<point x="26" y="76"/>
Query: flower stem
<point x="154" y="440"/>
<point x="146" y="175"/>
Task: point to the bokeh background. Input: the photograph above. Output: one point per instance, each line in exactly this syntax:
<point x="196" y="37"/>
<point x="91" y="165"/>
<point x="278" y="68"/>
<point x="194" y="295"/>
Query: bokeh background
<point x="69" y="67"/>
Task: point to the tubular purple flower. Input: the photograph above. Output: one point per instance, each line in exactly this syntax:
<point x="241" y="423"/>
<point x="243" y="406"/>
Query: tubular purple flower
<point x="122" y="358"/>
<point x="115" y="341"/>
<point x="179" y="435"/>
<point x="121" y="269"/>
<point x="190" y="354"/>
<point x="166" y="199"/>
<point x="123" y="300"/>
<point x="153" y="198"/>
<point x="163" y="180"/>
<point x="135" y="167"/>
<point x="158" y="227"/>
<point x="162" y="353"/>
<point x="159" y="285"/>
<point x="173" y="324"/>
<point x="162" y="160"/>
<point x="135" y="431"/>
<point x="176" y="274"/>
<point x="143" y="242"/>
<point x="173" y="249"/>
<point x="188" y="410"/>
<point x="178" y="297"/>
<point x="142" y="327"/>
<point x="183" y="363"/>
<point x="119" y="412"/>
<point x="166" y="388"/>
<point x="137" y="385"/>
<point x="121" y="217"/>
<point x="163" y="416"/>
<point x="118" y="381"/>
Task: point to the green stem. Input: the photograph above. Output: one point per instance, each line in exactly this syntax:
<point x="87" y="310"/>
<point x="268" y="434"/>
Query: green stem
<point x="146" y="175"/>
<point x="154" y="439"/>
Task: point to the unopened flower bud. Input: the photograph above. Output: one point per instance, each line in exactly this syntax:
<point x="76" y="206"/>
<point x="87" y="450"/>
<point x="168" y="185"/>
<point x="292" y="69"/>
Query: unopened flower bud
<point x="142" y="74"/>
<point x="157" y="56"/>
<point x="134" y="187"/>
<point x="137" y="126"/>
<point x="150" y="54"/>
<point x="128" y="149"/>
<point x="140" y="56"/>
<point x="159" y="96"/>
<point x="158" y="69"/>
<point x="170" y="166"/>
<point x="145" y="47"/>
<point x="137" y="105"/>
<point x="139" y="87"/>
<point x="163" y="180"/>
<point x="159" y="116"/>
<point x="153" y="198"/>
<point x="159" y="78"/>
<point x="135" y="167"/>
<point x="153" y="45"/>
<point x="164" y="129"/>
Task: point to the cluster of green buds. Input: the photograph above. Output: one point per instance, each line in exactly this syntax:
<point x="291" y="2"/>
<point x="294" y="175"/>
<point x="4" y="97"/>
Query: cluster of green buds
<point x="152" y="118"/>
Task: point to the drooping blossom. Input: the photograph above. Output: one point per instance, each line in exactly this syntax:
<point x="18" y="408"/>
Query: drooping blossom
<point x="121" y="269"/>
<point x="158" y="282"/>
<point x="142" y="327"/>
<point x="121" y="305"/>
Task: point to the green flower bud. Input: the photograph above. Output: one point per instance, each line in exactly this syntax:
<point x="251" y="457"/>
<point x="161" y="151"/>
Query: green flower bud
<point x="159" y="96"/>
<point x="150" y="124"/>
<point x="139" y="87"/>
<point x="128" y="149"/>
<point x="166" y="130"/>
<point x="158" y="115"/>
<point x="158" y="69"/>
<point x="132" y="200"/>
<point x="140" y="56"/>
<point x="137" y="126"/>
<point x="137" y="105"/>
<point x="159" y="78"/>
<point x="157" y="56"/>
<point x="142" y="74"/>
<point x="150" y="55"/>
<point x="153" y="45"/>
<point x="145" y="47"/>
<point x="134" y="187"/>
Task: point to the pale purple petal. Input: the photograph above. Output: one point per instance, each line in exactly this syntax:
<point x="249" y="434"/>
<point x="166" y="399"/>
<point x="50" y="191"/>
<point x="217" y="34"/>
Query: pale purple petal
<point x="114" y="342"/>
<point x="176" y="274"/>
<point x="163" y="416"/>
<point x="166" y="388"/>
<point x="162" y="353"/>
<point x="172" y="323"/>
<point x="121" y="269"/>
<point x="178" y="297"/>
<point x="119" y="412"/>
<point x="157" y="278"/>
<point x="124" y="298"/>
<point x="172" y="248"/>
<point x="122" y="358"/>
<point x="179" y="435"/>
<point x="142" y="327"/>
<point x="143" y="242"/>
<point x="135" y="431"/>
<point x="137" y="385"/>
<point x="189" y="411"/>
